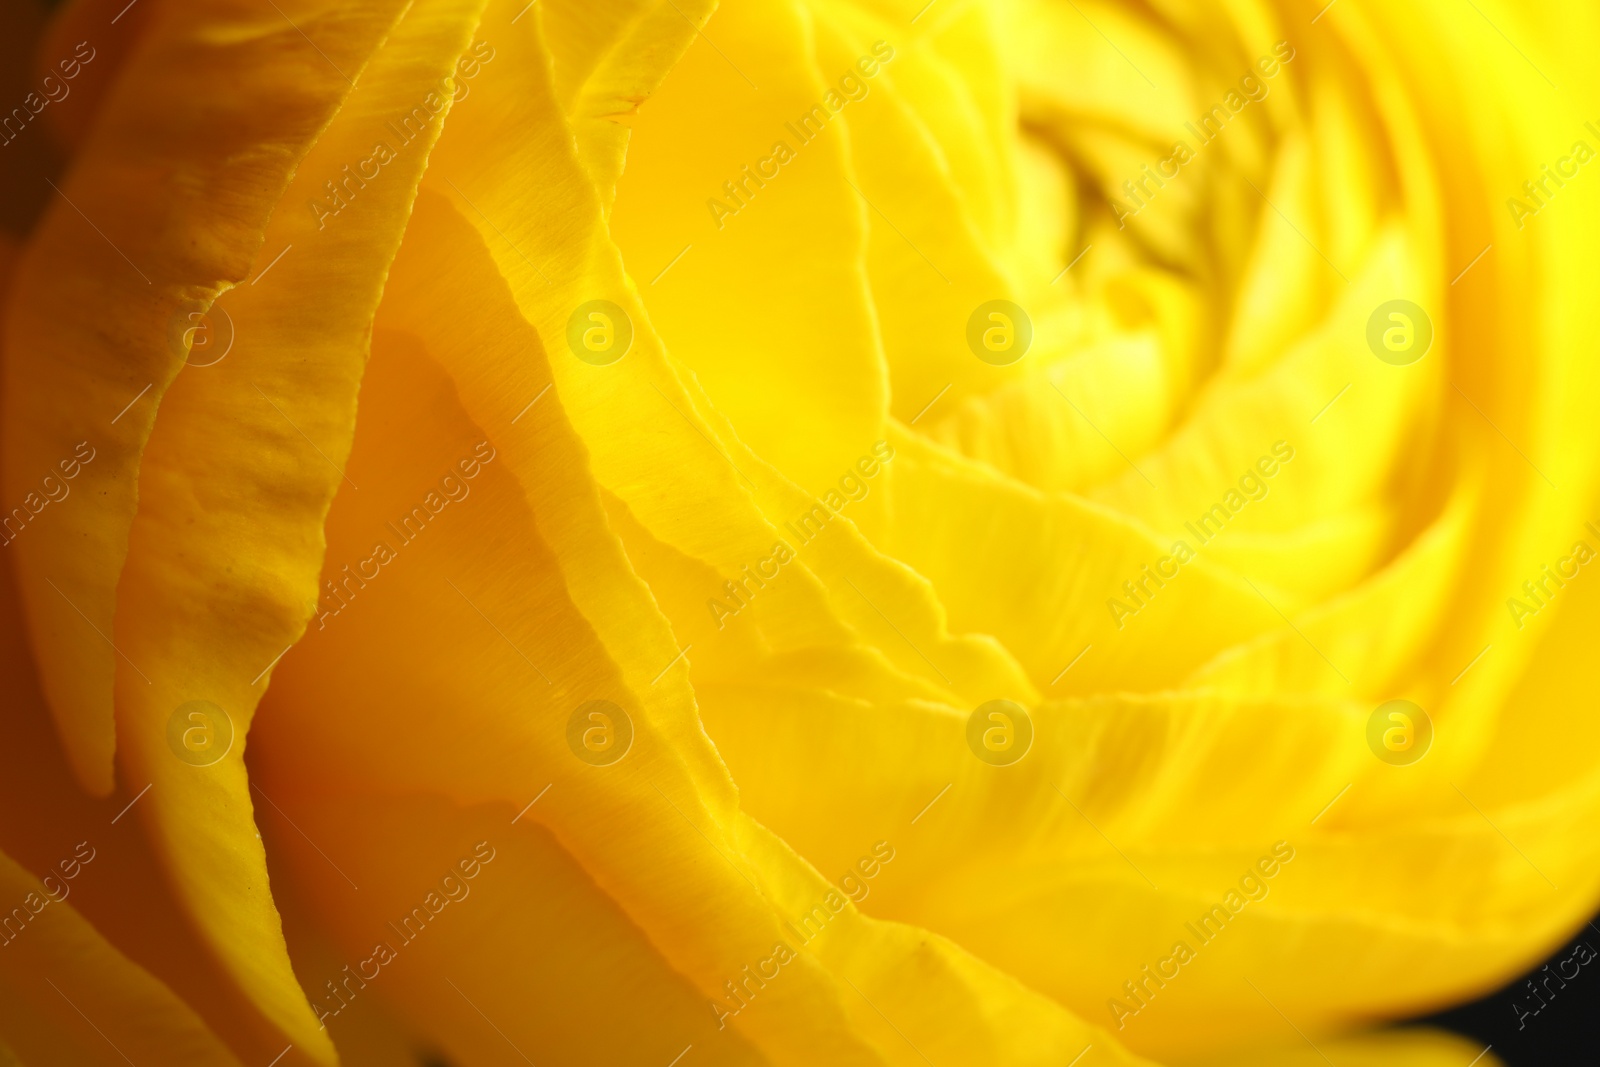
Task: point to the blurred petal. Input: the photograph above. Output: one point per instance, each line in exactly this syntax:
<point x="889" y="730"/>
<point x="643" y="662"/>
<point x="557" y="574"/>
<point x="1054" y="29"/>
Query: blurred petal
<point x="1400" y="1048"/>
<point x="68" y="996"/>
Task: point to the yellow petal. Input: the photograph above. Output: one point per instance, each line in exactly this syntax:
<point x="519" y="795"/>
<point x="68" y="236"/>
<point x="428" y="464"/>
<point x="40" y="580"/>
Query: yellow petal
<point x="477" y="972"/>
<point x="1402" y="1048"/>
<point x="681" y="861"/>
<point x="734" y="219"/>
<point x="70" y="996"/>
<point x="225" y="549"/>
<point x="164" y="209"/>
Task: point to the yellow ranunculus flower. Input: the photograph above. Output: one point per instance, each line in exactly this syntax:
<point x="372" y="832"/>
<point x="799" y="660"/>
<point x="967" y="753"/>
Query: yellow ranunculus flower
<point x="964" y="532"/>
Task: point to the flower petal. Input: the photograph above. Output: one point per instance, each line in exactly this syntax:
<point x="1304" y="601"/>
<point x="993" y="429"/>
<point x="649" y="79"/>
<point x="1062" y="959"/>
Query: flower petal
<point x="234" y="486"/>
<point x="154" y="222"/>
<point x="707" y="885"/>
<point x="67" y="995"/>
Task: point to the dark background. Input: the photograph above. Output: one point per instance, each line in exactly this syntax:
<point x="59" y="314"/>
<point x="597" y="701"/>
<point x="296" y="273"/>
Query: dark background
<point x="1566" y="1030"/>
